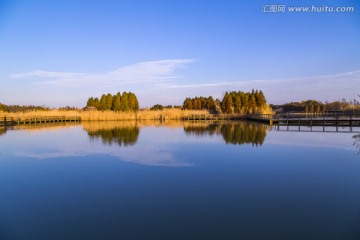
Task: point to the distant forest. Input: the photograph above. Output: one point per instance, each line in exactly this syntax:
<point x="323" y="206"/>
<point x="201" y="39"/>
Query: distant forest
<point x="118" y="102"/>
<point x="17" y="108"/>
<point x="313" y="106"/>
<point x="232" y="102"/>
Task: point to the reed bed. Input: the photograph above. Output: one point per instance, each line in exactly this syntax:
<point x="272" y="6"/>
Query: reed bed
<point x="142" y="115"/>
<point x="38" y="114"/>
<point x="166" y="114"/>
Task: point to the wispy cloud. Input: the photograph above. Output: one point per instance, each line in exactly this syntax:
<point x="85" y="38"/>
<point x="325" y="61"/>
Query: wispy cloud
<point x="327" y="87"/>
<point x="149" y="156"/>
<point x="143" y="72"/>
<point x="158" y="82"/>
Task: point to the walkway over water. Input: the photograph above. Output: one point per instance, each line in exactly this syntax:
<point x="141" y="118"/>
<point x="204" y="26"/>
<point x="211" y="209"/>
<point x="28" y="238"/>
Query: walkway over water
<point x="12" y="121"/>
<point x="294" y="119"/>
<point x="308" y="119"/>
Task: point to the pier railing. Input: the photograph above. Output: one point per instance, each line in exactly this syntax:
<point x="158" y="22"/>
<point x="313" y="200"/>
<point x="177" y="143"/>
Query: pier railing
<point x="333" y="119"/>
<point x="310" y="119"/>
<point x="11" y="121"/>
<point x="292" y="116"/>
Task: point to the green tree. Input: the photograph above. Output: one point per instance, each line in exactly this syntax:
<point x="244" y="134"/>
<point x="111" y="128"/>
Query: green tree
<point x="102" y="104"/>
<point x="125" y="102"/>
<point x="97" y="103"/>
<point x="261" y="100"/>
<point x="188" y="104"/>
<point x="252" y="103"/>
<point x="133" y="102"/>
<point x="227" y="104"/>
<point x="90" y="102"/>
<point x="157" y="107"/>
<point x="109" y="101"/>
<point x="117" y="102"/>
<point x="237" y="104"/>
<point x="312" y="109"/>
<point x="210" y="104"/>
<point x="245" y="102"/>
<point x="197" y="103"/>
<point x="306" y="109"/>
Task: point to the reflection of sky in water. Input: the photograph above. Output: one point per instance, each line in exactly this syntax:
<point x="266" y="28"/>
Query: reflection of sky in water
<point x="62" y="184"/>
<point x="154" y="146"/>
<point x="330" y="139"/>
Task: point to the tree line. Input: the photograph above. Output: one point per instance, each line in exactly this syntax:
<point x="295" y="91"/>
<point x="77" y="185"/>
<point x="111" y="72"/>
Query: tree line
<point x="18" y="108"/>
<point x="200" y="103"/>
<point x="314" y="106"/>
<point x="127" y="101"/>
<point x="232" y="102"/>
<point x="243" y="102"/>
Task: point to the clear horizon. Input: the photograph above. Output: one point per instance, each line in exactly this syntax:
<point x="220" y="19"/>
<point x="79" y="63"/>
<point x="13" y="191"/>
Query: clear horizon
<point x="61" y="53"/>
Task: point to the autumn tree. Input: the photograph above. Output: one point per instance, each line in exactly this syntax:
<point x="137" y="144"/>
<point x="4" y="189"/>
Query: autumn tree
<point x="125" y="102"/>
<point x="103" y="102"/>
<point x="117" y="102"/>
<point x="109" y="101"/>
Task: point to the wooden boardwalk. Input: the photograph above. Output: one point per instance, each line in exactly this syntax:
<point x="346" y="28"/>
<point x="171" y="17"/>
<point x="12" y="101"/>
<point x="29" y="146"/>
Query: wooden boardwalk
<point x="303" y="119"/>
<point x="10" y="121"/>
<point x="296" y="119"/>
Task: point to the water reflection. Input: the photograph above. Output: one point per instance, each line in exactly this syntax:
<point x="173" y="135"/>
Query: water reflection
<point x="357" y="142"/>
<point x="234" y="133"/>
<point x="2" y="131"/>
<point x="89" y="188"/>
<point x="122" y="135"/>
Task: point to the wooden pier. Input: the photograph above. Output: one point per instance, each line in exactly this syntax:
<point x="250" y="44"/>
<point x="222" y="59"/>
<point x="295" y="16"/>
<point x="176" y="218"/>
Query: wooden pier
<point x="11" y="121"/>
<point x="304" y="119"/>
<point x="294" y="119"/>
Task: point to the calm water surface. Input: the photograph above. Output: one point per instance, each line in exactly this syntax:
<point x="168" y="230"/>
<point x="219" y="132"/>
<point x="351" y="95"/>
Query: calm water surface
<point x="178" y="181"/>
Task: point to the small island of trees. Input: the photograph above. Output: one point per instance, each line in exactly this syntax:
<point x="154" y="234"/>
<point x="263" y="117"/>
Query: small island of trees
<point x="232" y="102"/>
<point x="119" y="102"/>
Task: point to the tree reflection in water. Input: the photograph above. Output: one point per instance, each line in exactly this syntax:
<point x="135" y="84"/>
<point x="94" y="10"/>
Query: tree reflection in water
<point x="123" y="135"/>
<point x="357" y="141"/>
<point x="2" y="131"/>
<point x="233" y="133"/>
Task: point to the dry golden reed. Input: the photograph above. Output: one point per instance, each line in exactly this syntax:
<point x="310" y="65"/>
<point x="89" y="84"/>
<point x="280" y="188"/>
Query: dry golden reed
<point x="166" y="114"/>
<point x="163" y="115"/>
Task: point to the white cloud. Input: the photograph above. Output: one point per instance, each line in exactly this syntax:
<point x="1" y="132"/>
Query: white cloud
<point x="144" y="72"/>
<point x="157" y="82"/>
<point x="329" y="87"/>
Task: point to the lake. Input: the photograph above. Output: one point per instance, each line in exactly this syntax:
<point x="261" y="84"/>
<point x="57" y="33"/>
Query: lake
<point x="174" y="180"/>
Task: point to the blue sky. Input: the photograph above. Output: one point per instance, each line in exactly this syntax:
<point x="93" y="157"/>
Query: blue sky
<point x="58" y="53"/>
